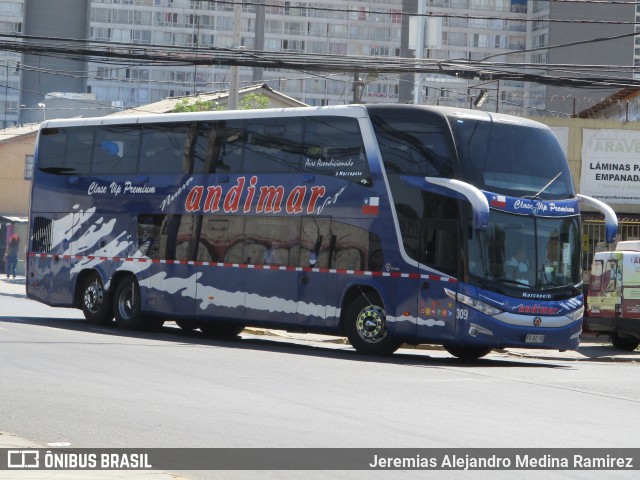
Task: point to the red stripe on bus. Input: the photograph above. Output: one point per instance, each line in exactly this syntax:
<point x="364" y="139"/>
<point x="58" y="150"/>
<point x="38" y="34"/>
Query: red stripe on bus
<point x="339" y="271"/>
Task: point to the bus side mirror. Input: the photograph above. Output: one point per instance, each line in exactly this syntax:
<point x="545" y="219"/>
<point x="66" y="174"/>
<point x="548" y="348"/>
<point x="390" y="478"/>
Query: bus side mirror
<point x="478" y="200"/>
<point x="610" y="218"/>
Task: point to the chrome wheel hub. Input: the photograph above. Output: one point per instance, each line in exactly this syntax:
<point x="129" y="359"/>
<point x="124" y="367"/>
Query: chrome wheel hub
<point x="371" y="324"/>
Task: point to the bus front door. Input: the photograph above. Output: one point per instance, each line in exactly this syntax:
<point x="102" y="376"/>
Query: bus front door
<point x="439" y="253"/>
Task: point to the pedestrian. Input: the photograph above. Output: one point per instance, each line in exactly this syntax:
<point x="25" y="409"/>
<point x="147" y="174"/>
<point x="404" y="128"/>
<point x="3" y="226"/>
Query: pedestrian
<point x="11" y="255"/>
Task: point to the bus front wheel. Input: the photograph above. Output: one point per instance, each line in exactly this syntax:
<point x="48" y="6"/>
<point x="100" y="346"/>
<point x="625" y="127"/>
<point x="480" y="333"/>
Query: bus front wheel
<point x="366" y="326"/>
<point x="96" y="304"/>
<point x="467" y="353"/>
<point x="126" y="304"/>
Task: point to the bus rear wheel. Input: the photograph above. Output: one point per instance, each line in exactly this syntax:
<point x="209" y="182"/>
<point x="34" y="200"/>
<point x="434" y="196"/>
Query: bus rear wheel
<point x="467" y="353"/>
<point x="126" y="304"/>
<point x="96" y="304"/>
<point x="366" y="326"/>
<point x="221" y="330"/>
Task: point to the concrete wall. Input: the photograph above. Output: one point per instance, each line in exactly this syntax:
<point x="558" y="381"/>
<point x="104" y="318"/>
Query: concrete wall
<point x="14" y="189"/>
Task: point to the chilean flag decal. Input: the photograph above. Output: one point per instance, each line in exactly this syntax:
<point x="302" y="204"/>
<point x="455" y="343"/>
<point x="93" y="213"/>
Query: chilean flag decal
<point x="499" y="201"/>
<point x="371" y="206"/>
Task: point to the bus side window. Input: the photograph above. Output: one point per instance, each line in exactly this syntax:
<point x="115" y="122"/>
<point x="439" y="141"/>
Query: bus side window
<point x="162" y="149"/>
<point x="333" y="146"/>
<point x="221" y="239"/>
<point x="116" y="150"/>
<point x="273" y="146"/>
<point x="219" y="146"/>
<point x="271" y="241"/>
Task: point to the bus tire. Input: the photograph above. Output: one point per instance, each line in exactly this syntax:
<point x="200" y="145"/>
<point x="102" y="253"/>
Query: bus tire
<point x="628" y="344"/>
<point x="221" y="330"/>
<point x="467" y="353"/>
<point x="95" y="301"/>
<point x="366" y="326"/>
<point x="126" y="304"/>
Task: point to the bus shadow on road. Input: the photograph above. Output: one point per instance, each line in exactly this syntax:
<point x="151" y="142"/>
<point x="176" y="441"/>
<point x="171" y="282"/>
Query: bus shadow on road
<point x="417" y="357"/>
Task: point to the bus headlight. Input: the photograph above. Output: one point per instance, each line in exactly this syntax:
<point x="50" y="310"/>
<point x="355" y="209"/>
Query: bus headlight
<point x="478" y="305"/>
<point x="576" y="315"/>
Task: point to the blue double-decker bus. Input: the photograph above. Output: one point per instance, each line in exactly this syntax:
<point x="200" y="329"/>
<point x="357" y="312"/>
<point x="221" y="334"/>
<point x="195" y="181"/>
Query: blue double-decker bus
<point x="387" y="224"/>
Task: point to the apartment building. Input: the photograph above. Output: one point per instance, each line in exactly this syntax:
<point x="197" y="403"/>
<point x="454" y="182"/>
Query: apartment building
<point x="513" y="32"/>
<point x="11" y="17"/>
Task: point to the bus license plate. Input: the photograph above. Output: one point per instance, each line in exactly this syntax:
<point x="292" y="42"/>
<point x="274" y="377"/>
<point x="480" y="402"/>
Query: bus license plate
<point x="534" y="338"/>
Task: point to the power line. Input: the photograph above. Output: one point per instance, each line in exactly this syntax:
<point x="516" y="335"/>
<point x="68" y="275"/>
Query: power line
<point x="182" y="56"/>
<point x="438" y="14"/>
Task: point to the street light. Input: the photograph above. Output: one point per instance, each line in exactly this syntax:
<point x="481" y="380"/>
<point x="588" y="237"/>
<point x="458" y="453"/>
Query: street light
<point x="44" y="115"/>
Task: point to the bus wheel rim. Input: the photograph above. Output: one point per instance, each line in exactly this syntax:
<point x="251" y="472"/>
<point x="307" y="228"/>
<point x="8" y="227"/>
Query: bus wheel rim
<point x="126" y="303"/>
<point x="93" y="297"/>
<point x="371" y="324"/>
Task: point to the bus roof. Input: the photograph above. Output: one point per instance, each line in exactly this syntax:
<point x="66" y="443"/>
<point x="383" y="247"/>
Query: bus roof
<point x="337" y="110"/>
<point x="465" y="114"/>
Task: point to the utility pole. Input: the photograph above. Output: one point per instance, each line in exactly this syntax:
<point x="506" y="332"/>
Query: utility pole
<point x="234" y="75"/>
<point x="417" y="77"/>
<point x="260" y="19"/>
<point x="358" y="84"/>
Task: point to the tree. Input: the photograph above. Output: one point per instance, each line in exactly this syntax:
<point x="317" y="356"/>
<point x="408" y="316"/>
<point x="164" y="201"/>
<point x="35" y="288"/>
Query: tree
<point x="248" y="102"/>
<point x="254" y="101"/>
<point x="197" y="106"/>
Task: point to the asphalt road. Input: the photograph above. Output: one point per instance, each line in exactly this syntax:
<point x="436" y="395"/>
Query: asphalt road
<point x="67" y="382"/>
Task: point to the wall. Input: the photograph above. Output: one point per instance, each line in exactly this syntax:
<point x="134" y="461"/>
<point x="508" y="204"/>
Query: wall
<point x="14" y="189"/>
<point x="574" y="152"/>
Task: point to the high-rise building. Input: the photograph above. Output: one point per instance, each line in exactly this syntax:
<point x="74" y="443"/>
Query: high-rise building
<point x="520" y="35"/>
<point x="43" y="74"/>
<point x="11" y="18"/>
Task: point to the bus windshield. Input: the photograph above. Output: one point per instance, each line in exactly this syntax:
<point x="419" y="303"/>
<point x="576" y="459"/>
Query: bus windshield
<point x="527" y="252"/>
<point x="506" y="158"/>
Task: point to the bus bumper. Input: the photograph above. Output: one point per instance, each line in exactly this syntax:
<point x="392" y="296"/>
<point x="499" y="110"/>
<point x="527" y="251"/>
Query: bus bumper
<point x="495" y="334"/>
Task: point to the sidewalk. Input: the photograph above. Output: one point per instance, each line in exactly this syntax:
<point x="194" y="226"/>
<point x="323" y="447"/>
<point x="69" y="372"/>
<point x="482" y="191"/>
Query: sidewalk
<point x="13" y="286"/>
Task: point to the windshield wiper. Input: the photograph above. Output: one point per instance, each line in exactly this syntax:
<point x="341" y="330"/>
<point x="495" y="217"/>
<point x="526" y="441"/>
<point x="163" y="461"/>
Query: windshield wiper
<point x="537" y="195"/>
